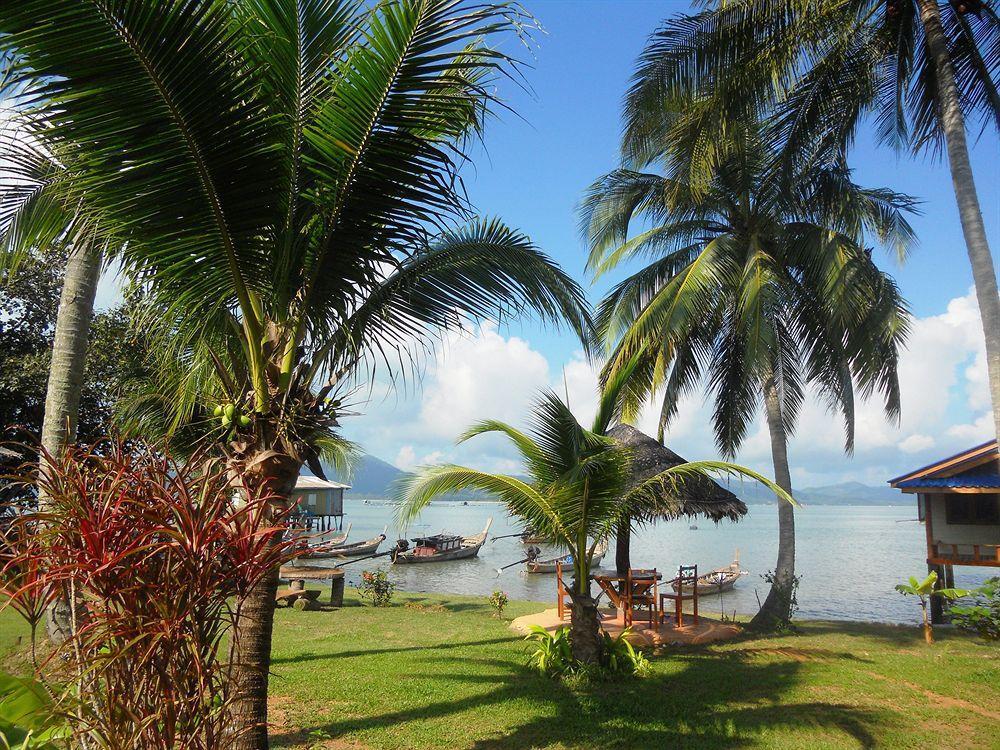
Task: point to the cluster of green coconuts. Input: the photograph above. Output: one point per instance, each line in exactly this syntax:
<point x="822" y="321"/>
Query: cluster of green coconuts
<point x="230" y="415"/>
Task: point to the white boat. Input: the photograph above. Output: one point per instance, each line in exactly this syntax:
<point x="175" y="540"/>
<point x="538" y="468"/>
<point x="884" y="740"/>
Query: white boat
<point x="549" y="566"/>
<point x="715" y="581"/>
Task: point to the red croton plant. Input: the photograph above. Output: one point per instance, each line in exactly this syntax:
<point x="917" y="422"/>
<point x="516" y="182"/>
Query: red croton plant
<point x="155" y="556"/>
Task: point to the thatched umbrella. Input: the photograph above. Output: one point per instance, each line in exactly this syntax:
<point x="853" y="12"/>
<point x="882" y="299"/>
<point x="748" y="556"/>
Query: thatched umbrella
<point x="700" y="496"/>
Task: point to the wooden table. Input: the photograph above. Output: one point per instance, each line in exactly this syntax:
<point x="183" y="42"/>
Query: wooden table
<point x="610" y="583"/>
<point x="318" y="573"/>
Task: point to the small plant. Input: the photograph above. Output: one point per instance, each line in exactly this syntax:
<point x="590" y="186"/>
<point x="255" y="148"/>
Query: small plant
<point x="552" y="657"/>
<point x="498" y="600"/>
<point x="982" y="616"/>
<point x="924" y="590"/>
<point x="376" y="587"/>
<point x="621" y="657"/>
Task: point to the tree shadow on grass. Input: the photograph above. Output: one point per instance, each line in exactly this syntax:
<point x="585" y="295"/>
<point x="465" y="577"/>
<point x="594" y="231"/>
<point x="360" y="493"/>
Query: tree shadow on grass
<point x="706" y="701"/>
<point x="313" y="656"/>
<point x="896" y="635"/>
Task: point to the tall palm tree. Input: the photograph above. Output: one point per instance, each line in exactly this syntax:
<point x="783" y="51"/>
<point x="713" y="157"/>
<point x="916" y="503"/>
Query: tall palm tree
<point x="759" y="287"/>
<point x="283" y="177"/>
<point x="32" y="217"/>
<point x="579" y="489"/>
<point x="923" y="71"/>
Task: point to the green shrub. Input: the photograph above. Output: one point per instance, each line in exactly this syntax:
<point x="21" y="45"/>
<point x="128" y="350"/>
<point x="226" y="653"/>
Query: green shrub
<point x="553" y="657"/>
<point x="499" y="600"/>
<point x="982" y="616"/>
<point x="621" y="657"/>
<point x="376" y="587"/>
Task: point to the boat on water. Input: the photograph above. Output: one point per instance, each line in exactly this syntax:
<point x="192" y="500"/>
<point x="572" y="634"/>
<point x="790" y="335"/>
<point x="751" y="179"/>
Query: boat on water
<point x="440" y="547"/>
<point x="549" y="566"/>
<point x="355" y="549"/>
<point x="340" y="537"/>
<point x="530" y="536"/>
<point x="718" y="580"/>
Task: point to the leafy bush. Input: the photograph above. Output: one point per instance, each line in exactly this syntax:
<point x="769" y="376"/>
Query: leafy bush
<point x="154" y="558"/>
<point x="621" y="657"/>
<point x="553" y="657"/>
<point x="982" y="616"/>
<point x="376" y="587"/>
<point x="499" y="600"/>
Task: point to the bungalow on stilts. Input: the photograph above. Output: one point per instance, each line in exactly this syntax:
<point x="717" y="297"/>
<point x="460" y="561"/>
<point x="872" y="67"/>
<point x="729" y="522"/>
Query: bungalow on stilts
<point x="958" y="500"/>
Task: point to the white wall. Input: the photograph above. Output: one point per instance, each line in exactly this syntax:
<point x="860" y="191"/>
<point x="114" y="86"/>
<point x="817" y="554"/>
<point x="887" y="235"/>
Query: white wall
<point x="958" y="533"/>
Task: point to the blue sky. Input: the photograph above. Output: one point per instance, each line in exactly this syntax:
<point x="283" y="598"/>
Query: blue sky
<point x="532" y="173"/>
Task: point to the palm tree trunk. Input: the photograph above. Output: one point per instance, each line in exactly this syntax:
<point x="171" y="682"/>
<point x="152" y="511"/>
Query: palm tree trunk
<point x="623" y="541"/>
<point x="585" y="623"/>
<point x="953" y="125"/>
<point x="250" y="651"/>
<point x="66" y="371"/>
<point x="776" y="609"/>
<point x="69" y="347"/>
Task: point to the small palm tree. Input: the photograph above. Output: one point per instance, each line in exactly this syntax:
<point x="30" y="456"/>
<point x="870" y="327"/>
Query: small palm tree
<point x="923" y="71"/>
<point x="578" y="490"/>
<point x="760" y="286"/>
<point x="282" y="180"/>
<point x="924" y="590"/>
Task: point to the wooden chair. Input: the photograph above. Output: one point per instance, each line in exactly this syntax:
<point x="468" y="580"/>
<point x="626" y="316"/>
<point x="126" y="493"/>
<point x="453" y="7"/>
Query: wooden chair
<point x="564" y="603"/>
<point x="640" y="594"/>
<point x="687" y="588"/>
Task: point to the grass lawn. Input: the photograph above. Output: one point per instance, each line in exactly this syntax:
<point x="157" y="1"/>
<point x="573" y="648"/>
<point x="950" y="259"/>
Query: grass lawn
<point x="440" y="672"/>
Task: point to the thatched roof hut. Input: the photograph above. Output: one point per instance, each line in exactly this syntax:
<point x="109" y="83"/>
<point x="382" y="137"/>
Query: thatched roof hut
<point x="700" y="496"/>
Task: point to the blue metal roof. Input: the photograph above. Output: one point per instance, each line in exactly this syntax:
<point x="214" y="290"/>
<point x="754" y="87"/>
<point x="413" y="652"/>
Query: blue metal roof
<point x="991" y="481"/>
<point x="974" y="452"/>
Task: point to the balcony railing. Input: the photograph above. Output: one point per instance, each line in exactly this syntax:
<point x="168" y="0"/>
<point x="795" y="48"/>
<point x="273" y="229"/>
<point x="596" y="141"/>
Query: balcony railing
<point x="965" y="554"/>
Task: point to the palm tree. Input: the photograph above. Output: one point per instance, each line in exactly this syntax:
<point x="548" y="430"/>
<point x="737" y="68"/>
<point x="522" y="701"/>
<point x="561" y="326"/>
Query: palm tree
<point x="579" y="490"/>
<point x="32" y="217"/>
<point x="282" y="180"/>
<point x="923" y="71"/>
<point x="759" y="287"/>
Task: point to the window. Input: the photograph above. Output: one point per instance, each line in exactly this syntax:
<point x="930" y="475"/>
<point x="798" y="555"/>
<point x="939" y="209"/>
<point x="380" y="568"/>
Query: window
<point x="311" y="499"/>
<point x="972" y="509"/>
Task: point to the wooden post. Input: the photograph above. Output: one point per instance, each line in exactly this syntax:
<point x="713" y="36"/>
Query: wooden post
<point x="337" y="589"/>
<point x="937" y="606"/>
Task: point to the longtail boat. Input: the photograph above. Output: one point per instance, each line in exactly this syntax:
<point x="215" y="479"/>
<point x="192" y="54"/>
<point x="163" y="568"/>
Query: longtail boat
<point x="355" y="549"/>
<point x="549" y="566"/>
<point x="720" y="579"/>
<point x="440" y="547"/>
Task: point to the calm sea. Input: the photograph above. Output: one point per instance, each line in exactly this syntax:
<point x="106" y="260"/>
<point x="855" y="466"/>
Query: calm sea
<point x="849" y="557"/>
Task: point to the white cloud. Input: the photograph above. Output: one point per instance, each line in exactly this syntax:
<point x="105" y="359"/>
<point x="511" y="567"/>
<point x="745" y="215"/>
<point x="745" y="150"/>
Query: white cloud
<point x="406" y="459"/>
<point x="916" y="443"/>
<point x="483" y="374"/>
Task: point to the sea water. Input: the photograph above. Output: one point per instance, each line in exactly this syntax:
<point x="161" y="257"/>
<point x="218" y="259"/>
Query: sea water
<point x="849" y="558"/>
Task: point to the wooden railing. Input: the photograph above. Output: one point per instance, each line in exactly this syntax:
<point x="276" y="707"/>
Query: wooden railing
<point x="959" y="554"/>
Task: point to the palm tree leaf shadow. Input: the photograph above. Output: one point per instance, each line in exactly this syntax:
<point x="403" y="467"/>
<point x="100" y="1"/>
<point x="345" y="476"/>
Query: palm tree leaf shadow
<point x="707" y="703"/>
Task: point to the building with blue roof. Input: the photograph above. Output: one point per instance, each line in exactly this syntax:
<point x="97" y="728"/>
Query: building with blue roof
<point x="958" y="501"/>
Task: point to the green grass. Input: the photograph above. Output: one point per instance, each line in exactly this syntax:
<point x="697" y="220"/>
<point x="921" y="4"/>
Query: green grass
<point x="440" y="672"/>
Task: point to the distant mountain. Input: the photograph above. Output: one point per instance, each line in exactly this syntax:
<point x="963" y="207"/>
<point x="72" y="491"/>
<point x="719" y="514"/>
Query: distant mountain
<point x="845" y="493"/>
<point x="374" y="477"/>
